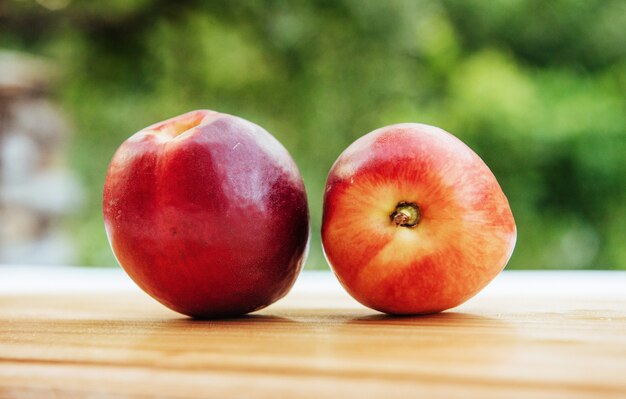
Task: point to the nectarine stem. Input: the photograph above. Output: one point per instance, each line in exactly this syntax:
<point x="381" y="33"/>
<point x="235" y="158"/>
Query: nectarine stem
<point x="406" y="214"/>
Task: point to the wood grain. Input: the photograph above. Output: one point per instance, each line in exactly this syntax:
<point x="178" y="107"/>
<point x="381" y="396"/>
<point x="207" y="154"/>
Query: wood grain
<point x="313" y="345"/>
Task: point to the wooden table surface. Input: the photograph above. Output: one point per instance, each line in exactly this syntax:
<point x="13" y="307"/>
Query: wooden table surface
<point x="528" y="335"/>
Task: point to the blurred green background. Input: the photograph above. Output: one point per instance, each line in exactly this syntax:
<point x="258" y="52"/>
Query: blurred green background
<point x="536" y="88"/>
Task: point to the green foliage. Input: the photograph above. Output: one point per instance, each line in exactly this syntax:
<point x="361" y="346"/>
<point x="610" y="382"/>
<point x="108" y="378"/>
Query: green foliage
<point x="536" y="88"/>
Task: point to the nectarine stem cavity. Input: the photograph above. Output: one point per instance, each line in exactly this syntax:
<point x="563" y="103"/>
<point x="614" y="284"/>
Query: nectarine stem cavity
<point x="406" y="214"/>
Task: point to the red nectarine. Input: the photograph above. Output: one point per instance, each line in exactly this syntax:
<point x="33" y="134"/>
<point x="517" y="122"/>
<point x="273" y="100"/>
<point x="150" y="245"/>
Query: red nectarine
<point x="207" y="213"/>
<point x="414" y="221"/>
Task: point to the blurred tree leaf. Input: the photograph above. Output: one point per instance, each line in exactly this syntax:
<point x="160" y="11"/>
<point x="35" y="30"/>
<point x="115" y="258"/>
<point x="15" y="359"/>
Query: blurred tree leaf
<point x="536" y="88"/>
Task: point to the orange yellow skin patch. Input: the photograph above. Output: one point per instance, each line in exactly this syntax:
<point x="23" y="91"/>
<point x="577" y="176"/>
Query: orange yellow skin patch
<point x="464" y="238"/>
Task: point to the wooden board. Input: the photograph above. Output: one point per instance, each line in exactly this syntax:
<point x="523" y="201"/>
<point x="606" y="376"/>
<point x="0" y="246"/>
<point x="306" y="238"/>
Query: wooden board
<point x="315" y="344"/>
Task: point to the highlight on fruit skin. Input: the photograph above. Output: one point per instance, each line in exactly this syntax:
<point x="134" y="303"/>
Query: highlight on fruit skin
<point x="207" y="213"/>
<point x="414" y="222"/>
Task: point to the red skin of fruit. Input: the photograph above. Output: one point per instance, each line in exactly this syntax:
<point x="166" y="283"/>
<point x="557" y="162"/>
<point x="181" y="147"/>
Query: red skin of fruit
<point x="207" y="213"/>
<point x="464" y="238"/>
